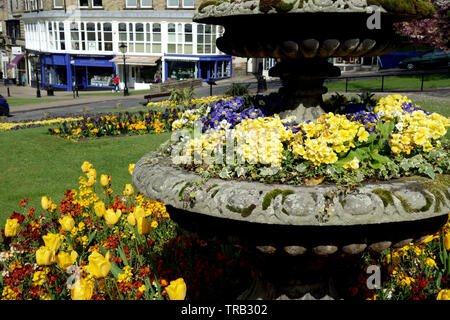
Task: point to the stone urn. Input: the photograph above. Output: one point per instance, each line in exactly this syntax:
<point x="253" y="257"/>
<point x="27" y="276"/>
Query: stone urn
<point x="296" y="230"/>
<point x="304" y="34"/>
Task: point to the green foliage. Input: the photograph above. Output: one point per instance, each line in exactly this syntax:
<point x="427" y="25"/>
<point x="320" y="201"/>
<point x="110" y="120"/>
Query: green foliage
<point x="181" y="96"/>
<point x="238" y="89"/>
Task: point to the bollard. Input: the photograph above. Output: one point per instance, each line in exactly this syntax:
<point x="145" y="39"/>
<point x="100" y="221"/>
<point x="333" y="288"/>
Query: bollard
<point x="9" y="95"/>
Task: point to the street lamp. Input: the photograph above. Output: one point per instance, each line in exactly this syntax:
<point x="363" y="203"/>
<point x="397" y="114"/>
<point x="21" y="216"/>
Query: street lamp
<point x="36" y="59"/>
<point x="123" y="49"/>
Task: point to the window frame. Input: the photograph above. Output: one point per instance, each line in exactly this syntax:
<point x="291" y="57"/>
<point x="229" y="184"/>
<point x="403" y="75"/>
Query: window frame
<point x="96" y="7"/>
<point x="146" y="7"/>
<point x="132" y="7"/>
<point x="58" y="7"/>
<point x="172" y="7"/>
<point x="188" y="7"/>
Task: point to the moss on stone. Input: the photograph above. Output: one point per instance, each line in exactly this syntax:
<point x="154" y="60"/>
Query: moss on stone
<point x="208" y="3"/>
<point x="282" y="6"/>
<point x="405" y="7"/>
<point x="273" y="194"/>
<point x="180" y="194"/>
<point x="285" y="193"/>
<point x="285" y="211"/>
<point x="214" y="193"/>
<point x="385" y="196"/>
<point x="438" y="187"/>
<point x="212" y="187"/>
<point x="269" y="196"/>
<point x="177" y="184"/>
<point x="245" y="212"/>
<point x="267" y="5"/>
<point x="406" y="206"/>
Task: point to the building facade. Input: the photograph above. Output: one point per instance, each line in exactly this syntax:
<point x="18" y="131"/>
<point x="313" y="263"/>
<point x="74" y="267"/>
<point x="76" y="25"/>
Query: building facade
<point x="12" y="41"/>
<point x="78" y="43"/>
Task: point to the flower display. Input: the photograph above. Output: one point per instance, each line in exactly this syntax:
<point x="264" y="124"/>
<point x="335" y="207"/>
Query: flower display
<point x="362" y="142"/>
<point x="110" y="124"/>
<point x="87" y="249"/>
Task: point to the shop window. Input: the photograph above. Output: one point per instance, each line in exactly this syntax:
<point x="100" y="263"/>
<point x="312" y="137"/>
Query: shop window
<point x="219" y="69"/>
<point x="227" y="68"/>
<point x="131" y="3"/>
<point x="57" y="4"/>
<point x="188" y="3"/>
<point x="180" y="70"/>
<point x="145" y="74"/>
<point x="107" y="36"/>
<point x="173" y="3"/>
<point x="75" y="36"/>
<point x="146" y="3"/>
<point x="60" y="75"/>
<point x="100" y="76"/>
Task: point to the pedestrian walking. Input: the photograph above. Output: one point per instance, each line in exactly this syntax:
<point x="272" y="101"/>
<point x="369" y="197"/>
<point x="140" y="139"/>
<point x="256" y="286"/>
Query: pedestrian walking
<point x="116" y="83"/>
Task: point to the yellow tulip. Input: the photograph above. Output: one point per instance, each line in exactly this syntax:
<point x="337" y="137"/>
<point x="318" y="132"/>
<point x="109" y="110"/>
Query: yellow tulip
<point x="144" y="227"/>
<point x="128" y="190"/>
<point x="99" y="209"/>
<point x="105" y="180"/>
<point x="99" y="266"/>
<point x="92" y="174"/>
<point x="45" y="256"/>
<point x="90" y="182"/>
<point x="67" y="223"/>
<point x="447" y="241"/>
<point x="131" y="219"/>
<point x="46" y="203"/>
<point x="82" y="290"/>
<point x="52" y="241"/>
<point x="139" y="212"/>
<point x="443" y="295"/>
<point x="131" y="168"/>
<point x="86" y="166"/>
<point x="112" y="217"/>
<point x="12" y="227"/>
<point x="65" y="260"/>
<point x="176" y="289"/>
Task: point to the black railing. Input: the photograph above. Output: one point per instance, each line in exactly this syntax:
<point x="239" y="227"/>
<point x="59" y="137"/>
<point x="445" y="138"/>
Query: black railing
<point x="386" y="74"/>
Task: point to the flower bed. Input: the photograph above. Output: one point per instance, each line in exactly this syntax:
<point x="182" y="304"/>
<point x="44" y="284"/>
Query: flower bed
<point x="99" y="246"/>
<point x="99" y="125"/>
<point x="390" y="139"/>
<point x="35" y="124"/>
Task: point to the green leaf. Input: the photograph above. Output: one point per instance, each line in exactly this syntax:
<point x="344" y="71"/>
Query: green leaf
<point x="115" y="270"/>
<point x="123" y="256"/>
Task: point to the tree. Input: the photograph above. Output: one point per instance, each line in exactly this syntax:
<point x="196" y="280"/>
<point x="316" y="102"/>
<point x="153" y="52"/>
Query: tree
<point x="434" y="31"/>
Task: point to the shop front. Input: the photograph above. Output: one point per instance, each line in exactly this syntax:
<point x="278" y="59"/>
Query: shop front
<point x="140" y="70"/>
<point x="63" y="71"/>
<point x="177" y="67"/>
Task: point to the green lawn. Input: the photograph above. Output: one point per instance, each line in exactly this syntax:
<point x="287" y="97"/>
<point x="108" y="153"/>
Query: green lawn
<point x="12" y="101"/>
<point x="431" y="81"/>
<point x="34" y="164"/>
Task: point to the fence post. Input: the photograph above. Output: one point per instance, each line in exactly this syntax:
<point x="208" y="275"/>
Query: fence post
<point x="382" y="83"/>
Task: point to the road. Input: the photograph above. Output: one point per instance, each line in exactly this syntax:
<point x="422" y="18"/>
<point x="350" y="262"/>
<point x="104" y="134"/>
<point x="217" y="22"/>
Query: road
<point x="127" y="103"/>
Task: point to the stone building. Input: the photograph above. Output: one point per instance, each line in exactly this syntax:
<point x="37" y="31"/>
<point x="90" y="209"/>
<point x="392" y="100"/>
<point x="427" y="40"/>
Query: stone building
<point x="78" y="42"/>
<point x="12" y="41"/>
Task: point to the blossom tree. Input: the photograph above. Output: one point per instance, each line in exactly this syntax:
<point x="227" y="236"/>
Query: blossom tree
<point x="433" y="31"/>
